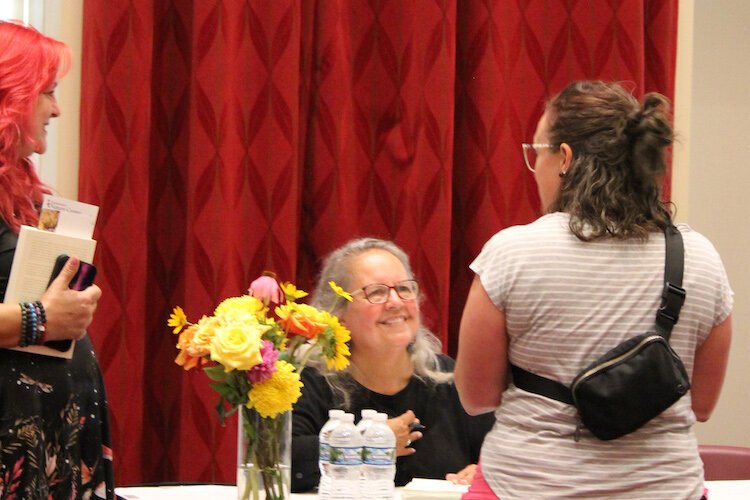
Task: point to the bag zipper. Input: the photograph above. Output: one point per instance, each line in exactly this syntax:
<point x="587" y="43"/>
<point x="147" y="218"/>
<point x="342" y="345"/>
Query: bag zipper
<point x="579" y="379"/>
<point x="626" y="354"/>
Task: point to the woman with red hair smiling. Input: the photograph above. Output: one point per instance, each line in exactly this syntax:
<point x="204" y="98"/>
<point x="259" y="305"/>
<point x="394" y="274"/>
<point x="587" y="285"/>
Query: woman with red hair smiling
<point x="54" y="436"/>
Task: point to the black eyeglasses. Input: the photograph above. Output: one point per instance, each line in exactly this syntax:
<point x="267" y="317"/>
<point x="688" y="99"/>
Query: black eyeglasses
<point x="378" y="293"/>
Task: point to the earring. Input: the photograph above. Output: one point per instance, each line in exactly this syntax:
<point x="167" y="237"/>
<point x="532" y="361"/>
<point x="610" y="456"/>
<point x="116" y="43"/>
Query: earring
<point x="563" y="173"/>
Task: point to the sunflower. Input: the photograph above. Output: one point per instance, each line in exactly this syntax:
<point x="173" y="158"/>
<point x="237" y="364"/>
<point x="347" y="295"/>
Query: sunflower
<point x="333" y="342"/>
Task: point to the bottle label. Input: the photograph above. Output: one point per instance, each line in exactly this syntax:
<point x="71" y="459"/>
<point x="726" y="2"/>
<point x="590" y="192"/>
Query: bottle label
<point x="345" y="455"/>
<point x="378" y="456"/>
<point x="325" y="452"/>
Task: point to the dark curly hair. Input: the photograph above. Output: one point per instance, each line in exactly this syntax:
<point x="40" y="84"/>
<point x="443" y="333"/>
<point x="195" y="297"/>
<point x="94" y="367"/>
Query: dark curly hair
<point x="613" y="185"/>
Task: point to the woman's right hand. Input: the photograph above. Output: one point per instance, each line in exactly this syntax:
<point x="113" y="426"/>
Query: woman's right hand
<point x="401" y="427"/>
<point x="69" y="312"/>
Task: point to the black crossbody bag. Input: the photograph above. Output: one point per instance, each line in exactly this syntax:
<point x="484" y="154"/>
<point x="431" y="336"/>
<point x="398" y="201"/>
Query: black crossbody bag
<point x="635" y="381"/>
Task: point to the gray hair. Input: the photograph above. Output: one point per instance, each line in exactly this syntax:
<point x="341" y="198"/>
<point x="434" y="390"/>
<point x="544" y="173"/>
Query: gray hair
<point x="424" y="351"/>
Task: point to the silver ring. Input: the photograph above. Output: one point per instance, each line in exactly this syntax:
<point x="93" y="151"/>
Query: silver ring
<point x="408" y="443"/>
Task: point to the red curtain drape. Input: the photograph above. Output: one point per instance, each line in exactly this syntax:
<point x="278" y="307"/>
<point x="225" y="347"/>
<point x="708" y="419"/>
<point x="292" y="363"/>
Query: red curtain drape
<point x="223" y="138"/>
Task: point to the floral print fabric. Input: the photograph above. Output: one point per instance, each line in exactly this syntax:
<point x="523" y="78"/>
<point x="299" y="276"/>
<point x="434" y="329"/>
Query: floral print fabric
<point x="54" y="436"/>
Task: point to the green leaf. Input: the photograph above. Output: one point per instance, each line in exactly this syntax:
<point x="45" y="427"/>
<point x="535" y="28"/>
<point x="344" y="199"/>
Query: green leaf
<point x="221" y="411"/>
<point x="216" y="373"/>
<point x="226" y="391"/>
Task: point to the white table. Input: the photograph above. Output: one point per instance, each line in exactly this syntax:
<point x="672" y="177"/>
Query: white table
<point x="717" y="490"/>
<point x="201" y="492"/>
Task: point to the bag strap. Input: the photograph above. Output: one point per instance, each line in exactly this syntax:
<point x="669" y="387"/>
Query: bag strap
<point x="672" y="295"/>
<point x="531" y="382"/>
<point x="672" y="298"/>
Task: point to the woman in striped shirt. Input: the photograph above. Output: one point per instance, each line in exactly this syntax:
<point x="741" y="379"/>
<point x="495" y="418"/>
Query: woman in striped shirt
<point x="554" y="295"/>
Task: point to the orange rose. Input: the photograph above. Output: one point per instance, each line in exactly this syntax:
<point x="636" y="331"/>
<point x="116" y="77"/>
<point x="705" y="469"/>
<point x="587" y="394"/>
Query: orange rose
<point x="189" y="357"/>
<point x="300" y="319"/>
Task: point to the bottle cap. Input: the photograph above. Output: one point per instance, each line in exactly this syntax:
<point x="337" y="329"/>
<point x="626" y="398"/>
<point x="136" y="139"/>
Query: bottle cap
<point x="368" y="413"/>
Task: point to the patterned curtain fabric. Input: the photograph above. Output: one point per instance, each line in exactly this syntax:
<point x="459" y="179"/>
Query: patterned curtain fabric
<point x="224" y="138"/>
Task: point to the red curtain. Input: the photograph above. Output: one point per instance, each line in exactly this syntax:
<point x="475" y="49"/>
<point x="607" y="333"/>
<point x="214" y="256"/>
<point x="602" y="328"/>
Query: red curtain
<point x="224" y="138"/>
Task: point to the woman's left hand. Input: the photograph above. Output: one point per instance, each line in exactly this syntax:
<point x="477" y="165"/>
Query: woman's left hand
<point x="464" y="476"/>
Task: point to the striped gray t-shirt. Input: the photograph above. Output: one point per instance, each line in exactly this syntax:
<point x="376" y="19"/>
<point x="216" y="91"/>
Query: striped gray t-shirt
<point x="566" y="303"/>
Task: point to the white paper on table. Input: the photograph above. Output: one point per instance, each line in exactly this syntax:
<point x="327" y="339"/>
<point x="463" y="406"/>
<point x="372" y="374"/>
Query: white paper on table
<point x="438" y="489"/>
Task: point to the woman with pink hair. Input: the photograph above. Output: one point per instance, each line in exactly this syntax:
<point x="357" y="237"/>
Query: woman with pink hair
<point x="54" y="432"/>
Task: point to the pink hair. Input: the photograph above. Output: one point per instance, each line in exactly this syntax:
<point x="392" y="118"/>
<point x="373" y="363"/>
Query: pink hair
<point x="29" y="64"/>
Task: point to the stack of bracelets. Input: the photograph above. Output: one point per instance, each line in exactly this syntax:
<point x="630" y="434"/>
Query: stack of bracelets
<point x="33" y="323"/>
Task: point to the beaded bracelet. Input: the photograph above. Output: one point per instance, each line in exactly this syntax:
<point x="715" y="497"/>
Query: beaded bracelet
<point x="23" y="341"/>
<point x="33" y="323"/>
<point x="41" y="327"/>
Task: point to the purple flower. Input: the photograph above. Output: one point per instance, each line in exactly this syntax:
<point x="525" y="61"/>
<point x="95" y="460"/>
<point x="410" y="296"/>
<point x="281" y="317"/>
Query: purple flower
<point x="267" y="289"/>
<point x="264" y="370"/>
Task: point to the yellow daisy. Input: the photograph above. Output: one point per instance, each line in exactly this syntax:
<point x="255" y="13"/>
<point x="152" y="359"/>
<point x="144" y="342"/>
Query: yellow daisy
<point x="340" y="291"/>
<point x="177" y="319"/>
<point x="292" y="292"/>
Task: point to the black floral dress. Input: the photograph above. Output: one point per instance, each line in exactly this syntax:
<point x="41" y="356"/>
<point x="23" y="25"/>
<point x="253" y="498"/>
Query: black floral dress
<point x="54" y="429"/>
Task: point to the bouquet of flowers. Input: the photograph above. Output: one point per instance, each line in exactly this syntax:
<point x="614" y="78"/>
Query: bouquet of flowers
<point x="254" y="356"/>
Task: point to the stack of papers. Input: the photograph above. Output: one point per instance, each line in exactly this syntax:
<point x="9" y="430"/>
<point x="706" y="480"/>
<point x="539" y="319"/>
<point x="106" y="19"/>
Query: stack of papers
<point x="432" y="489"/>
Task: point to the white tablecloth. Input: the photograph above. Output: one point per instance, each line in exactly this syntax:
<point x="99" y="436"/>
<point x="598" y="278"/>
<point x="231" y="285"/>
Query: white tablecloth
<point x="202" y="492"/>
<point x="718" y="490"/>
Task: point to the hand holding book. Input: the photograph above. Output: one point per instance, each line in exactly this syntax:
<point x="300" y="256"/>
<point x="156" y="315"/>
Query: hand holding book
<point x="65" y="227"/>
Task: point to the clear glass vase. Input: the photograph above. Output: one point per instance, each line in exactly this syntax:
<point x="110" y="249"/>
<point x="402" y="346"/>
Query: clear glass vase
<point x="264" y="456"/>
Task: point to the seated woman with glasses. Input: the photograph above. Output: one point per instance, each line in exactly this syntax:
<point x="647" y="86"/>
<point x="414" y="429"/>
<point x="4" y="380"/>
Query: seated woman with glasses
<point x="396" y="368"/>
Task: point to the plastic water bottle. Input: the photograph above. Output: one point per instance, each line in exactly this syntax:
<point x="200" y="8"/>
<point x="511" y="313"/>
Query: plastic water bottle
<point x="362" y="426"/>
<point x="346" y="460"/>
<point x="324" y="457"/>
<point x="379" y="460"/>
<point x="366" y="420"/>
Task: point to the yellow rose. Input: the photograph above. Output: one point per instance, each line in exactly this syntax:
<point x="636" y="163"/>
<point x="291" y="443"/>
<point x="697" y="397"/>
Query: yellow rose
<point x="237" y="346"/>
<point x="205" y="330"/>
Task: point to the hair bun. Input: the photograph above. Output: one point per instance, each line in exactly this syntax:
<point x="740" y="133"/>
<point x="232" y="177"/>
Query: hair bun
<point x="650" y="122"/>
